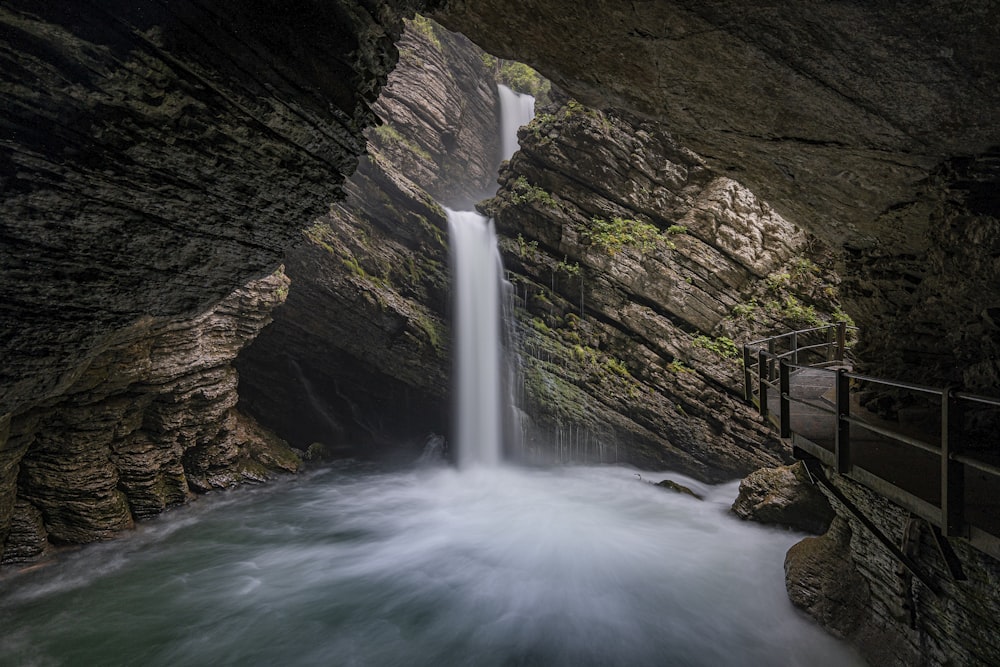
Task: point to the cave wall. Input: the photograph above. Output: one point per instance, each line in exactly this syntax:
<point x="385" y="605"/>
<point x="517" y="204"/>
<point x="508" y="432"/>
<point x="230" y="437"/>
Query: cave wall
<point x="154" y="157"/>
<point x="149" y="422"/>
<point x="627" y="346"/>
<point x="155" y="162"/>
<point x="873" y="125"/>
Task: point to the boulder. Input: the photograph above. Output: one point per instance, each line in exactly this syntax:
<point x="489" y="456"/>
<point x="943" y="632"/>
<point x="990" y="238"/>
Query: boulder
<point x="784" y="496"/>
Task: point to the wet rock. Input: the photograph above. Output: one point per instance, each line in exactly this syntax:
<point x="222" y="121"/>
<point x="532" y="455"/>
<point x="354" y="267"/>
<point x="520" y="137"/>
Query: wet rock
<point x="148" y="422"/>
<point x="873" y="129"/>
<point x="784" y="496"/>
<point x="158" y="156"/>
<point x="360" y="350"/>
<point x="855" y="587"/>
<point x="628" y="345"/>
<point x="822" y="579"/>
<point x="27" y="539"/>
<point x="671" y="485"/>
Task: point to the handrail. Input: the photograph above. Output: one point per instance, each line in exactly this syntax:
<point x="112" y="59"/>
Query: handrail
<point x="767" y="369"/>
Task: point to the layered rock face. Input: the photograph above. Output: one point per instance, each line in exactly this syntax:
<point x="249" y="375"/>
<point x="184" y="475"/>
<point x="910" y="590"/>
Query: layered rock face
<point x="627" y="356"/>
<point x="151" y="420"/>
<point x="358" y="359"/>
<point x="852" y="585"/>
<point x="155" y="157"/>
<point x="872" y="126"/>
<point x="637" y="266"/>
<point x="155" y="162"/>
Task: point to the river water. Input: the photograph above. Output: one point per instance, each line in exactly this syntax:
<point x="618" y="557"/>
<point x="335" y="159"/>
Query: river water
<point x="354" y="565"/>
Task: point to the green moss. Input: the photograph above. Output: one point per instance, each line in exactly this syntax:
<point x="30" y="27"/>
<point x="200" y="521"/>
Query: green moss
<point x="570" y="270"/>
<point x="722" y="346"/>
<point x="352" y="265"/>
<point x="424" y="26"/>
<point x="617" y="366"/>
<point x="526" y="249"/>
<point x="387" y="135"/>
<point x="794" y="310"/>
<point x="540" y="325"/>
<point x="743" y="310"/>
<point x="804" y="267"/>
<point x="778" y="281"/>
<point x="617" y="233"/>
<point x="523" y="192"/>
<point x="434" y="332"/>
<point x="677" y="229"/>
<point x="523" y="79"/>
<point x="840" y="316"/>
<point x="677" y="366"/>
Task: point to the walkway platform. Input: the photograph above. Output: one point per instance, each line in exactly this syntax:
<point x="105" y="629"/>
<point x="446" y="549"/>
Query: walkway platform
<point x="914" y="461"/>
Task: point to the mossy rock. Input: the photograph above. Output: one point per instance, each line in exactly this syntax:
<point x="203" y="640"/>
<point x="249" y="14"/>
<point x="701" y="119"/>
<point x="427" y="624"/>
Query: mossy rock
<point x="678" y="488"/>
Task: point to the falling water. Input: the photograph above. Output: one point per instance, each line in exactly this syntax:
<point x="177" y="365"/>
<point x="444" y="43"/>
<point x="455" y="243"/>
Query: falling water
<point x="515" y="110"/>
<point x="476" y="278"/>
<point x="482" y="405"/>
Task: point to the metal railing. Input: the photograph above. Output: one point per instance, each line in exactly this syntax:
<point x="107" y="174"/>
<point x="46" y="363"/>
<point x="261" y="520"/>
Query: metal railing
<point x="769" y="364"/>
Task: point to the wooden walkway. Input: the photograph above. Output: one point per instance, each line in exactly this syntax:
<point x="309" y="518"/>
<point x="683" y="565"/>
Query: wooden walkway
<point x="915" y="462"/>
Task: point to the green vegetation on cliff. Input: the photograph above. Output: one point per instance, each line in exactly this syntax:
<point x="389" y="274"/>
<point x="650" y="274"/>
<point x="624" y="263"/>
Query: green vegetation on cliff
<point x="617" y="233"/>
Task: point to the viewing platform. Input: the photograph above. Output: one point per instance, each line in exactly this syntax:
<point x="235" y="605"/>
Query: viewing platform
<point x="937" y="459"/>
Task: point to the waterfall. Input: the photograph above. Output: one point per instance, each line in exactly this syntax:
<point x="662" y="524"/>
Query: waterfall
<point x="515" y="110"/>
<point x="476" y="276"/>
<point x="482" y="402"/>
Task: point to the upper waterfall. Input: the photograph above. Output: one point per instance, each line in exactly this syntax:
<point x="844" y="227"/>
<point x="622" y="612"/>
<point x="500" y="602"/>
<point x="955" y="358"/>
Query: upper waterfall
<point x="516" y="109"/>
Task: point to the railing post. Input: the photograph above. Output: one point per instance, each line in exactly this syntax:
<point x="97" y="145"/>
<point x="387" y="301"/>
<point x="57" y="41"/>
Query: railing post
<point x="761" y="381"/>
<point x="830" y="350"/>
<point x="784" y="384"/>
<point x="747" y="376"/>
<point x="842" y="442"/>
<point x="952" y="472"/>
<point x="795" y="347"/>
<point x="841" y="340"/>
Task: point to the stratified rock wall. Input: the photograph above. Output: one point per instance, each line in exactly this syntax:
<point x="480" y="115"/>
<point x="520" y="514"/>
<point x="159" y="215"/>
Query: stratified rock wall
<point x="155" y="156"/>
<point x="629" y="341"/>
<point x="873" y="125"/>
<point x="442" y="115"/>
<point x="156" y="159"/>
<point x="852" y="585"/>
<point x="358" y="359"/>
<point x="149" y="421"/>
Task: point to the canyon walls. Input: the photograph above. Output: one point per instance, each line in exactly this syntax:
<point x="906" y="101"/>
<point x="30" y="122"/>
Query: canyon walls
<point x="871" y="125"/>
<point x="155" y="163"/>
<point x="637" y="267"/>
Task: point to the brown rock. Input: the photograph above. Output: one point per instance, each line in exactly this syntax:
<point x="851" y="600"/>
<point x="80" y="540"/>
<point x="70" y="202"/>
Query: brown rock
<point x="150" y="419"/>
<point x="822" y="580"/>
<point x="784" y="496"/>
<point x="28" y="538"/>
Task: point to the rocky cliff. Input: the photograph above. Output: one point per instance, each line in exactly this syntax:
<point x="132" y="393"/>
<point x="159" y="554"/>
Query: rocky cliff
<point x="155" y="162"/>
<point x="358" y="358"/>
<point x="855" y="587"/>
<point x="871" y="125"/>
<point x="626" y="354"/>
<point x="150" y="420"/>
<point x="637" y="266"/>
